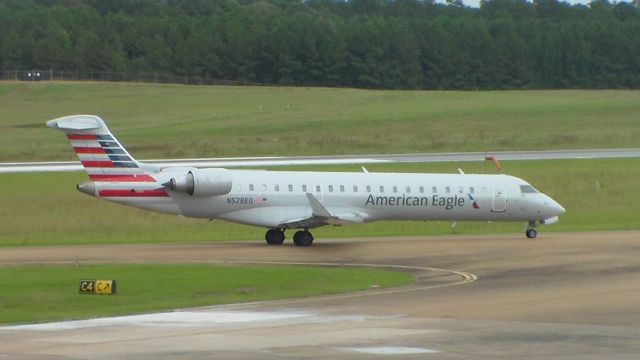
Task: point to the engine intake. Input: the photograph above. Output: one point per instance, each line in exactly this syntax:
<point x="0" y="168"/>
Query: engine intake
<point x="202" y="182"/>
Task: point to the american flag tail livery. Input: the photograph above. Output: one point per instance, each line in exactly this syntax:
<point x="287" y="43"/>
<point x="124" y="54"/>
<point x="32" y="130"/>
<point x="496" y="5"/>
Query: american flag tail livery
<point x="113" y="173"/>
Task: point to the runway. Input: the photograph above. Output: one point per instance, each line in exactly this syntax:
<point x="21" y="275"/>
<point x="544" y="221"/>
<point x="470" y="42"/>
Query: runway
<point x="32" y="167"/>
<point x="561" y="296"/>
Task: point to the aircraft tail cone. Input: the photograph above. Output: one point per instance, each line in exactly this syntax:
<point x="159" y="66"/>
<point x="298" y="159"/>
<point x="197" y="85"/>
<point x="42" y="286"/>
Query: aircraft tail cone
<point x="88" y="187"/>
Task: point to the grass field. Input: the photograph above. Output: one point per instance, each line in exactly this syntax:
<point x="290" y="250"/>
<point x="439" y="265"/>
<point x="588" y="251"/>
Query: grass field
<point x="45" y="209"/>
<point x="175" y="121"/>
<point x="147" y="288"/>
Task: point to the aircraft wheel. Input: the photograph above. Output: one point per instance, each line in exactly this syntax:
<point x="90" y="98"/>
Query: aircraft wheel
<point x="303" y="238"/>
<point x="531" y="233"/>
<point x="274" y="237"/>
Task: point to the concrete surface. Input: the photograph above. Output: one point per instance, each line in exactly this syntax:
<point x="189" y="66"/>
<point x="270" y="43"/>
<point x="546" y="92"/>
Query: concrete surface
<point x="561" y="296"/>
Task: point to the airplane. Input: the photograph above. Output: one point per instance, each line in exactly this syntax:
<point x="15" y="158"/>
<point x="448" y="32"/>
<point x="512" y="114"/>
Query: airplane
<point x="301" y="200"/>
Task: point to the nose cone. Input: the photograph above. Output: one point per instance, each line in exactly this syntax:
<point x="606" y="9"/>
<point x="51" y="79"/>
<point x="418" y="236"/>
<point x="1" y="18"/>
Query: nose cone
<point x="556" y="208"/>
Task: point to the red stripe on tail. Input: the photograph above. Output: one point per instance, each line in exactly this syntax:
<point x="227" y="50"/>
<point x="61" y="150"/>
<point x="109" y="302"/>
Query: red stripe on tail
<point x="129" y="193"/>
<point x="121" y="178"/>
<point x="88" y="150"/>
<point x="98" y="164"/>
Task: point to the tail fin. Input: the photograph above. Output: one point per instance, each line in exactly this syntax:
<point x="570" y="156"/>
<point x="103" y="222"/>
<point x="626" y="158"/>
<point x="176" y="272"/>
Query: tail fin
<point x="101" y="154"/>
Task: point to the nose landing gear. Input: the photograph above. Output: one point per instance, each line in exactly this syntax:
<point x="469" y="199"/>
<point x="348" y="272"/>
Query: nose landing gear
<point x="530" y="231"/>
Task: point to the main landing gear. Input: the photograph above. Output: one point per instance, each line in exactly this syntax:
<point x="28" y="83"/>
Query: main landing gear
<point x="300" y="238"/>
<point x="531" y="232"/>
<point x="274" y="236"/>
<point x="303" y="238"/>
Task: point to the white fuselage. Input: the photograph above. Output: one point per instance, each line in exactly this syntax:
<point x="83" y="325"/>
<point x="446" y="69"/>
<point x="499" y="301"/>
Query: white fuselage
<point x="273" y="198"/>
<point x="282" y="200"/>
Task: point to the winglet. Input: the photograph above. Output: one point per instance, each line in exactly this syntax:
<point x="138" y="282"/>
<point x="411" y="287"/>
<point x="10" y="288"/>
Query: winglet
<point x="316" y="208"/>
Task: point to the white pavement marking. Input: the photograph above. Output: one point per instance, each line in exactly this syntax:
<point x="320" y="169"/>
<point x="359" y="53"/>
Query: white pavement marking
<point x="390" y="350"/>
<point x="167" y="319"/>
<point x="26" y="167"/>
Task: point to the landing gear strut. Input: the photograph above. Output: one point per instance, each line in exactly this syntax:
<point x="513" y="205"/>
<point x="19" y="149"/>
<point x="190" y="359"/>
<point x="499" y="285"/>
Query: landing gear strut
<point x="303" y="238"/>
<point x="274" y="236"/>
<point x="531" y="232"/>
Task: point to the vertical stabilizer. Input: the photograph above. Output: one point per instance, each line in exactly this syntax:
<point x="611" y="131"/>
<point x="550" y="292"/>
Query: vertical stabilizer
<point x="101" y="154"/>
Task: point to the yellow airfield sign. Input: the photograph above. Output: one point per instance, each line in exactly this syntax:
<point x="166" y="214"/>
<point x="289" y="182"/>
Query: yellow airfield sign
<point x="100" y="287"/>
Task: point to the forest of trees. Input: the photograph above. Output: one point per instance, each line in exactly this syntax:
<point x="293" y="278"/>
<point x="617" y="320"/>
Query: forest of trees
<point x="503" y="44"/>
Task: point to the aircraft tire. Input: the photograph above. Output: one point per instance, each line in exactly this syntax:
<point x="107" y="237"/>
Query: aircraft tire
<point x="531" y="233"/>
<point x="303" y="238"/>
<point x="274" y="237"/>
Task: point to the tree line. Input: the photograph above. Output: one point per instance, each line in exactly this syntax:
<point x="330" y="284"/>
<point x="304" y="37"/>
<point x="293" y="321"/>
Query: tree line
<point x="409" y="44"/>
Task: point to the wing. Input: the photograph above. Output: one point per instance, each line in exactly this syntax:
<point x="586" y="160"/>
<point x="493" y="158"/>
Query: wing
<point x="320" y="216"/>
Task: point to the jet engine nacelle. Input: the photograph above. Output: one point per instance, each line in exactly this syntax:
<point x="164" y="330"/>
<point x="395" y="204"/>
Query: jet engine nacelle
<point x="202" y="182"/>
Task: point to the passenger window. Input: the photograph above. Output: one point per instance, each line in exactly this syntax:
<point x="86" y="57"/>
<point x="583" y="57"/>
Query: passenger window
<point x="355" y="189"/>
<point x="290" y="187"/>
<point x="368" y="188"/>
<point x="484" y="190"/>
<point x="447" y="190"/>
<point x="318" y="188"/>
<point x="434" y="190"/>
<point x="460" y="190"/>
<point x="330" y="188"/>
<point x="408" y="189"/>
<point x="276" y="187"/>
<point x="421" y="189"/>
<point x="381" y="189"/>
<point x="264" y="187"/>
<point x="304" y="188"/>
<point x="471" y="190"/>
<point x="395" y="189"/>
<point x="239" y="187"/>
<point x="250" y="187"/>
<point x="341" y="188"/>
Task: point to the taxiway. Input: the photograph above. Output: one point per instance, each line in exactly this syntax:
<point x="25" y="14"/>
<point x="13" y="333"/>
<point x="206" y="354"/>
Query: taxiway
<point x="561" y="296"/>
<point x="34" y="167"/>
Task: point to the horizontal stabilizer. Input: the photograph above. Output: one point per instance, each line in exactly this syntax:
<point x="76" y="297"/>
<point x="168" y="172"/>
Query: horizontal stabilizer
<point x="76" y="122"/>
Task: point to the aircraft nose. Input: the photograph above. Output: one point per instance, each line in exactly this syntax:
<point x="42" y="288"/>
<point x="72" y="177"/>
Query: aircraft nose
<point x="557" y="208"/>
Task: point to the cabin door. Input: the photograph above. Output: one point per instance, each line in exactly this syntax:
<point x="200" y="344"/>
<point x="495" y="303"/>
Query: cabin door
<point x="499" y="200"/>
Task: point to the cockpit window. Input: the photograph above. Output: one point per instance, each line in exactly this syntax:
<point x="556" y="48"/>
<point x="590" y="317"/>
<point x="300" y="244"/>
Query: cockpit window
<point x="528" y="189"/>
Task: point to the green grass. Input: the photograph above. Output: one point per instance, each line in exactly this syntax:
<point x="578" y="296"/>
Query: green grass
<point x="38" y="293"/>
<point x="166" y="121"/>
<point x="45" y="209"/>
